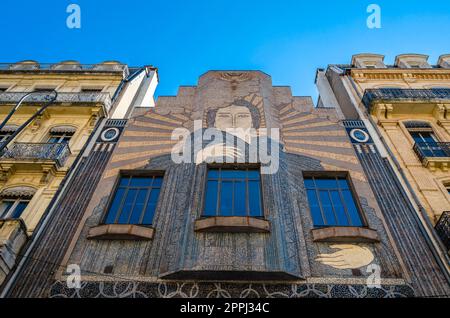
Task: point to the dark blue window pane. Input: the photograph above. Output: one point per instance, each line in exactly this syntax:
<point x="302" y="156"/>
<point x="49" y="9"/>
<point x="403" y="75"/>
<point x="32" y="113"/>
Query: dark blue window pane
<point x="124" y="181"/>
<point x="233" y="174"/>
<point x="339" y="209"/>
<point x="326" y="183"/>
<point x="309" y="183"/>
<point x="211" y="198"/>
<point x="141" y="182"/>
<point x="138" y="207"/>
<point x="19" y="209"/>
<point x="351" y="208"/>
<point x="213" y="173"/>
<point x="157" y="182"/>
<point x="254" y="192"/>
<point x="327" y="208"/>
<point x="151" y="207"/>
<point x="226" y="198"/>
<point x="239" y="199"/>
<point x="6" y="205"/>
<point x="112" y="213"/>
<point x="127" y="207"/>
<point x="154" y="195"/>
<point x="149" y="213"/>
<point x="253" y="174"/>
<point x="343" y="183"/>
<point x="315" y="208"/>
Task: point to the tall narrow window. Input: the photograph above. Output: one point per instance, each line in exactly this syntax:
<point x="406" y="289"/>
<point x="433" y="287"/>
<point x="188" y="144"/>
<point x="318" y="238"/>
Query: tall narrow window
<point x="233" y="192"/>
<point x="332" y="202"/>
<point x="425" y="139"/>
<point x="12" y="208"/>
<point x="134" y="200"/>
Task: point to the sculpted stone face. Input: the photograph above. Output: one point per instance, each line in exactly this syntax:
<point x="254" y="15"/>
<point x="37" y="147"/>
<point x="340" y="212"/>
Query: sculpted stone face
<point x="233" y="117"/>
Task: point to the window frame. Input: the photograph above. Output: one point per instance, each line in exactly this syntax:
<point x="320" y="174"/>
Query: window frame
<point x="330" y="175"/>
<point x="132" y="173"/>
<point x="233" y="166"/>
<point x="60" y="138"/>
<point x="13" y="207"/>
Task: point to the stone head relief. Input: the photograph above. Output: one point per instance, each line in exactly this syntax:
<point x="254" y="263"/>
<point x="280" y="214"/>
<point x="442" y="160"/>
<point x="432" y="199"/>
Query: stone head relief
<point x="348" y="256"/>
<point x="236" y="120"/>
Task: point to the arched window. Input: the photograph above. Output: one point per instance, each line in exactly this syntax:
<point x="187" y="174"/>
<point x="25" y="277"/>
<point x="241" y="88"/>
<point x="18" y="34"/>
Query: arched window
<point x="14" y="201"/>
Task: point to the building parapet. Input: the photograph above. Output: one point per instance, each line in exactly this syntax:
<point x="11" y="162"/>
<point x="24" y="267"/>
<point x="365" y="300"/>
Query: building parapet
<point x="68" y="66"/>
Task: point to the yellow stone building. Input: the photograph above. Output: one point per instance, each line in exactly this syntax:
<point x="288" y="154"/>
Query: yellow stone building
<point x="33" y="166"/>
<point x="408" y="106"/>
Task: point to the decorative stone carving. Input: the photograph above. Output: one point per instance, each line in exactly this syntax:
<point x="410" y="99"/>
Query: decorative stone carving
<point x="235" y="76"/>
<point x="16" y="192"/>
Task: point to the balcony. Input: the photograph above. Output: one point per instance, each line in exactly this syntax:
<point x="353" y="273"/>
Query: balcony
<point x="433" y="154"/>
<point x="76" y="99"/>
<point x="405" y="100"/>
<point x="443" y="229"/>
<point x="38" y="152"/>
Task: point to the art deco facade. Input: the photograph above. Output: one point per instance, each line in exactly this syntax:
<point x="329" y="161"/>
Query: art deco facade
<point x="38" y="161"/>
<point x="167" y="208"/>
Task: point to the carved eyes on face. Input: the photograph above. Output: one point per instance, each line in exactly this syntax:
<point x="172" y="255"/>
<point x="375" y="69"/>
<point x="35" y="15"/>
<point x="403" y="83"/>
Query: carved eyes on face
<point x="228" y="120"/>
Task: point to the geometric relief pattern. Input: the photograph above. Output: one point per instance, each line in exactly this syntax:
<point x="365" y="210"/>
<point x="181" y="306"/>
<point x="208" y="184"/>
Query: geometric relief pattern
<point x="136" y="289"/>
<point x="309" y="134"/>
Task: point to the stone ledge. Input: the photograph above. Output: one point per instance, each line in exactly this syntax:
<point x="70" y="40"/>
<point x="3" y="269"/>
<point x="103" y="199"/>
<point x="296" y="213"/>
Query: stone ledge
<point x="121" y="232"/>
<point x="345" y="234"/>
<point x="233" y="224"/>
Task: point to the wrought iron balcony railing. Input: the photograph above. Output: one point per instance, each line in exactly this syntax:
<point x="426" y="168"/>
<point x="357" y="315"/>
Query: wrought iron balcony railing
<point x="426" y="150"/>
<point x="67" y="98"/>
<point x="400" y="94"/>
<point x="443" y="229"/>
<point x="58" y="152"/>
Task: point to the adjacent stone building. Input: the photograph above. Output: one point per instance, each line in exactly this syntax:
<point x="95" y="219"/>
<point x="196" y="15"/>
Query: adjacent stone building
<point x="38" y="158"/>
<point x="402" y="112"/>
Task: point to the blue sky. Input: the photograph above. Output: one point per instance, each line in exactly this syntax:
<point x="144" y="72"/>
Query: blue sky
<point x="286" y="39"/>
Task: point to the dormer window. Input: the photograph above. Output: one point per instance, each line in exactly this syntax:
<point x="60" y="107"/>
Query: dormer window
<point x="412" y="61"/>
<point x="368" y="60"/>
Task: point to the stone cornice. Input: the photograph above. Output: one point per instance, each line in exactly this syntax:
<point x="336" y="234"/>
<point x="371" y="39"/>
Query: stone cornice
<point x="400" y="74"/>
